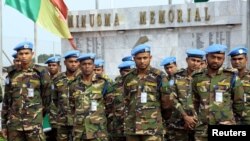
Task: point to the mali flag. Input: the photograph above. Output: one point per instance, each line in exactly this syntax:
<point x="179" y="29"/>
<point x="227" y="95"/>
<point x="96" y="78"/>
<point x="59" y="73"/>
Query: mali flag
<point x="49" y="14"/>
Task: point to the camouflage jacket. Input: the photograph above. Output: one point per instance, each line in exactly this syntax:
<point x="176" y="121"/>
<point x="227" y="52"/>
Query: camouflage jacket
<point x="63" y="99"/>
<point x="115" y="109"/>
<point x="26" y="98"/>
<point x="143" y="102"/>
<point x="246" y="85"/>
<point x="180" y="90"/>
<point x="53" y="106"/>
<point x="89" y="114"/>
<point x="217" y="99"/>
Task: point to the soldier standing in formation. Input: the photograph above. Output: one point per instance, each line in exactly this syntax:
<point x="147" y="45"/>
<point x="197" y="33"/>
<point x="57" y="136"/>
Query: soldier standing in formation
<point x="89" y="92"/>
<point x="54" y="70"/>
<point x="145" y="96"/>
<point x="183" y="118"/>
<point x="218" y="93"/>
<point x="239" y="61"/>
<point x="63" y="99"/>
<point x="115" y="104"/>
<point x="26" y="94"/>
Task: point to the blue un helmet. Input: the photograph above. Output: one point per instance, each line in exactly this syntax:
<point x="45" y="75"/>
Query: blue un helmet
<point x="24" y="45"/>
<point x="238" y="50"/>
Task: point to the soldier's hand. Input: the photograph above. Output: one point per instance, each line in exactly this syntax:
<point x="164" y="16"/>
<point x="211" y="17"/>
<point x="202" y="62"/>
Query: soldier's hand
<point x="4" y="132"/>
<point x="190" y="121"/>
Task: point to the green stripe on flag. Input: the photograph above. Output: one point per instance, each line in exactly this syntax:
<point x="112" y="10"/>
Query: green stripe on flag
<point x="29" y="8"/>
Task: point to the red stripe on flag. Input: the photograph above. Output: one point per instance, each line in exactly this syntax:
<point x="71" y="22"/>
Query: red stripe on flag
<point x="61" y="6"/>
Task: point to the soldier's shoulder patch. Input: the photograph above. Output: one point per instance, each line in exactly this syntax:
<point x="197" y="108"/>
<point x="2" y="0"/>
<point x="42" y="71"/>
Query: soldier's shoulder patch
<point x="230" y="70"/>
<point x="156" y="71"/>
<point x="39" y="68"/>
<point x="197" y="73"/>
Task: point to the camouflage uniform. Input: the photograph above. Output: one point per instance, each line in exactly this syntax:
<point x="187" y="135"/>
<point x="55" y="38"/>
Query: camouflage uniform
<point x="26" y="99"/>
<point x="115" y="111"/>
<point x="246" y="85"/>
<point x="63" y="100"/>
<point x="143" y="97"/>
<point x="90" y="122"/>
<point x="180" y="90"/>
<point x="227" y="110"/>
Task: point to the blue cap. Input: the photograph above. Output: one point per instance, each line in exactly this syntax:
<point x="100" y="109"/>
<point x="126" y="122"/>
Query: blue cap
<point x="99" y="63"/>
<point x="127" y="64"/>
<point x="53" y="59"/>
<point x="72" y="53"/>
<point x="24" y="45"/>
<point x="127" y="58"/>
<point x="238" y="51"/>
<point x="14" y="55"/>
<point x="86" y="56"/>
<point x="140" y="49"/>
<point x="216" y="48"/>
<point x="195" y="53"/>
<point x="167" y="61"/>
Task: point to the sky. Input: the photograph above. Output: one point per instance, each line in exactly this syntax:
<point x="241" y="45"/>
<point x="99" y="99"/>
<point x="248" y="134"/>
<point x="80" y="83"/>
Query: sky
<point x="17" y="28"/>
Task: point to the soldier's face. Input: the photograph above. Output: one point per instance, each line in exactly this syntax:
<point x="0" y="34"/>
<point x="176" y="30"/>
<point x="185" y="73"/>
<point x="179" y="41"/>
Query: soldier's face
<point x="53" y="68"/>
<point x="142" y="60"/>
<point x="87" y="66"/>
<point x="215" y="60"/>
<point x="25" y="56"/>
<point x="239" y="62"/>
<point x="170" y="69"/>
<point x="203" y="64"/>
<point x="99" y="70"/>
<point x="17" y="62"/>
<point x="124" y="71"/>
<point x="71" y="64"/>
<point x="193" y="63"/>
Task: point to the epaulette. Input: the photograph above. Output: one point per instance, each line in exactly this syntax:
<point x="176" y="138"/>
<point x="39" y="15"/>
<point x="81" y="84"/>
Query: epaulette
<point x="231" y="70"/>
<point x="156" y="71"/>
<point x="179" y="71"/>
<point x="198" y="72"/>
<point x="39" y="68"/>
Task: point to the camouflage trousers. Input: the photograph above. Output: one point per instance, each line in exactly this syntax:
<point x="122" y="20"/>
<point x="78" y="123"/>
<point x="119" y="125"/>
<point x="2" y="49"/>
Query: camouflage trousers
<point x="144" y="138"/>
<point x="79" y="138"/>
<point x="65" y="133"/>
<point x="200" y="136"/>
<point x="177" y="135"/>
<point x="30" y="135"/>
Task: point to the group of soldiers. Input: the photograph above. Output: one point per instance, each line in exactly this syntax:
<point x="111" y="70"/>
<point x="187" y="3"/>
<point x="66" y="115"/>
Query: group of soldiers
<point x="142" y="104"/>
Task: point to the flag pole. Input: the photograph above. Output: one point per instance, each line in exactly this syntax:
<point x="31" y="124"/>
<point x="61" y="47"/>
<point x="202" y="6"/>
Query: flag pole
<point x="1" y="41"/>
<point x="35" y="42"/>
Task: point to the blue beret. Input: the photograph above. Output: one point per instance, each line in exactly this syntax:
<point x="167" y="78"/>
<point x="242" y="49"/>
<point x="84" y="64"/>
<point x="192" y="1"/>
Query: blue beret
<point x="99" y="63"/>
<point x="238" y="50"/>
<point x="168" y="61"/>
<point x="86" y="56"/>
<point x="140" y="49"/>
<point x="53" y="59"/>
<point x="14" y="55"/>
<point x="216" y="48"/>
<point x="127" y="58"/>
<point x="72" y="53"/>
<point x="195" y="53"/>
<point x="127" y="64"/>
<point x="24" y="45"/>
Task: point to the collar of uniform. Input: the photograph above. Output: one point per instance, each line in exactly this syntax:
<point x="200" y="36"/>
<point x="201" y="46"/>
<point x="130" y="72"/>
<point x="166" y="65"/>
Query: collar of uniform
<point x="76" y="73"/>
<point x="218" y="72"/>
<point x="148" y="70"/>
<point x="55" y="76"/>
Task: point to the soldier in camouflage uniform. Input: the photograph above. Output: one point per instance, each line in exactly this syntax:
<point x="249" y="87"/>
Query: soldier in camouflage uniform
<point x="217" y="92"/>
<point x="26" y="98"/>
<point x="115" y="104"/>
<point x="63" y="99"/>
<point x="239" y="61"/>
<point x="99" y="69"/>
<point x="170" y="66"/>
<point x="145" y="93"/>
<point x="54" y="71"/>
<point x="89" y="91"/>
<point x="183" y="118"/>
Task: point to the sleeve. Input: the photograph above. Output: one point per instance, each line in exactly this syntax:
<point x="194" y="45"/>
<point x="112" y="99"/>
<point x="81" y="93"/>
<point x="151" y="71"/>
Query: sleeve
<point x="53" y="103"/>
<point x="6" y="103"/>
<point x="45" y="90"/>
<point x="195" y="96"/>
<point x="238" y="99"/>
